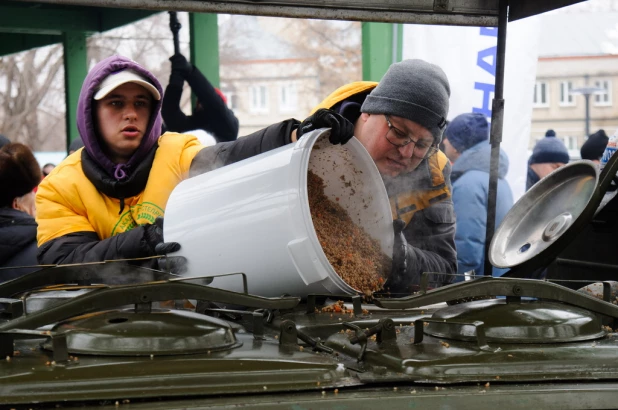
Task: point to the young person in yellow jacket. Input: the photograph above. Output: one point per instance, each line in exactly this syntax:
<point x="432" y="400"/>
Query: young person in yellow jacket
<point x="400" y="121"/>
<point x="106" y="200"/>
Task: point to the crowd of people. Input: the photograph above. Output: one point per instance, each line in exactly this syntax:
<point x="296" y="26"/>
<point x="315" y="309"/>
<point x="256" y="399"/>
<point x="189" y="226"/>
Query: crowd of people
<point x="107" y="199"/>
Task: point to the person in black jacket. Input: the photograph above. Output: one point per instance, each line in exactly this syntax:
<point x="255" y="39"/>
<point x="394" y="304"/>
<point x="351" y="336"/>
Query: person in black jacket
<point x="19" y="175"/>
<point x="211" y="113"/>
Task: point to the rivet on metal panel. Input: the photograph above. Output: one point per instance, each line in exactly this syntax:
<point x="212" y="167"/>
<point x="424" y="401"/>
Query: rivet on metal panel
<point x="387" y="331"/>
<point x="517" y="290"/>
<point x="288" y="333"/>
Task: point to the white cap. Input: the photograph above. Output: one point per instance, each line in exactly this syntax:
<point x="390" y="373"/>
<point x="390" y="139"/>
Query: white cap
<point x="113" y="81"/>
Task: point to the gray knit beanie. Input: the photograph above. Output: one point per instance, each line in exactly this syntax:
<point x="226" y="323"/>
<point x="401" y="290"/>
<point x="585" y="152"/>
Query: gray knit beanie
<point x="413" y="89"/>
<point x="548" y="150"/>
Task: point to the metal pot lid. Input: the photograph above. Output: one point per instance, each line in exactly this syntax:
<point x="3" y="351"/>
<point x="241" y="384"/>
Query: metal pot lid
<point x="162" y="332"/>
<point x="524" y="321"/>
<point x="545" y="219"/>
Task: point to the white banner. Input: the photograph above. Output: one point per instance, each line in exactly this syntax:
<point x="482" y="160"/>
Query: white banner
<point x="468" y="57"/>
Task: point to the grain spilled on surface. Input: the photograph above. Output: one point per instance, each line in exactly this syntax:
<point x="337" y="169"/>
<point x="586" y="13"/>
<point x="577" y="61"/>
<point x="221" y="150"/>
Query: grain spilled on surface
<point x="353" y="253"/>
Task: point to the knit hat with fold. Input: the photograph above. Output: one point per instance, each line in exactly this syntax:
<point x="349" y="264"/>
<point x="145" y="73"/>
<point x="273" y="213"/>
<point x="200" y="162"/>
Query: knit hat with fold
<point x="594" y="146"/>
<point x="467" y="130"/>
<point x="416" y="90"/>
<point x="549" y="150"/>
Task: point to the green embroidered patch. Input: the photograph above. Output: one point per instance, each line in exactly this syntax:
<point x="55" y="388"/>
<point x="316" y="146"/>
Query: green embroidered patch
<point x="146" y="213"/>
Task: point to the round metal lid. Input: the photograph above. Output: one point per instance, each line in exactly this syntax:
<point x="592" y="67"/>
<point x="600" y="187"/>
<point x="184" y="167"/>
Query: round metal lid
<point x="524" y="321"/>
<point x="534" y="225"/>
<point x="161" y="332"/>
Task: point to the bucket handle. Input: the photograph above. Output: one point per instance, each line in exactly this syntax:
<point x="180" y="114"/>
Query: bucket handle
<point x="306" y="261"/>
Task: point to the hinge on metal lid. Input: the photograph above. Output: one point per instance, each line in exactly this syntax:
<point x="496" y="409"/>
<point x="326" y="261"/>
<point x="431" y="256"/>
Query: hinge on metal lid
<point x="440" y="5"/>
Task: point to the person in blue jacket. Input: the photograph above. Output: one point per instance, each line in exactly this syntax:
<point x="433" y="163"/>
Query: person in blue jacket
<point x="466" y="145"/>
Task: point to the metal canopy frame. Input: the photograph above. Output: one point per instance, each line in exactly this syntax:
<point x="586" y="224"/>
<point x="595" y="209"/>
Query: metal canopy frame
<point x="449" y="12"/>
<point x="494" y="13"/>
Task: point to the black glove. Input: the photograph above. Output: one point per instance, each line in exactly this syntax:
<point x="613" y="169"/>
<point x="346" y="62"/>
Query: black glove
<point x="154" y="238"/>
<point x="341" y="129"/>
<point x="398" y="280"/>
<point x="180" y="65"/>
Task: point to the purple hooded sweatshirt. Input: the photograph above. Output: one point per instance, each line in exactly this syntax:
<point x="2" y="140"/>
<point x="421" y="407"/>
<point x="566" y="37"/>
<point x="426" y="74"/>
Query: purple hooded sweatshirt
<point x="85" y="116"/>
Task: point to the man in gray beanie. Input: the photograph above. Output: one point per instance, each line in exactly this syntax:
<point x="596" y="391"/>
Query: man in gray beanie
<point x="400" y="122"/>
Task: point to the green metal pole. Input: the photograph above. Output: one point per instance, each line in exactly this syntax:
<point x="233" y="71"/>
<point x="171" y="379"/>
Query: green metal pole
<point x="382" y="46"/>
<point x="75" y="70"/>
<point x="204" y="46"/>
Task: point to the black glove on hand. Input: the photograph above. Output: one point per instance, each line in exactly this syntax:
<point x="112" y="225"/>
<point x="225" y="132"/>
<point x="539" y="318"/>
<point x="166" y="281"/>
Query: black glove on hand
<point x="341" y="129"/>
<point x="154" y="238"/>
<point x="398" y="280"/>
<point x="181" y="65"/>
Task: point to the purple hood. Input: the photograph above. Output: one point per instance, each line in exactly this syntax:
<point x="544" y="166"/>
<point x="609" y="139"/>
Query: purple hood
<point x="85" y="119"/>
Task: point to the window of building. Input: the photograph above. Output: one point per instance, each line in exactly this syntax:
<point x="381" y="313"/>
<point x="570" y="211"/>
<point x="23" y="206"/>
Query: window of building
<point x="570" y="142"/>
<point x="603" y="97"/>
<point x="288" y="97"/>
<point x="231" y="98"/>
<point x="566" y="96"/>
<point x="259" y="98"/>
<point x="232" y="101"/>
<point x="541" y="94"/>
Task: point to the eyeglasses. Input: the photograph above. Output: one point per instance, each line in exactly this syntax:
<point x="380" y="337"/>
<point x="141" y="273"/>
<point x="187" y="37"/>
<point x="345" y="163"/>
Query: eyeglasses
<point x="400" y="139"/>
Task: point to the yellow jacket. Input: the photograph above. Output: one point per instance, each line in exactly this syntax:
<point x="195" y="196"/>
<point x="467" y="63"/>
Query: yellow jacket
<point x="68" y="202"/>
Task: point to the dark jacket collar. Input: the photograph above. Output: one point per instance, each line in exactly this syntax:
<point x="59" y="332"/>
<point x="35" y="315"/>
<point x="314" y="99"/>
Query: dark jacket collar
<point x="131" y="186"/>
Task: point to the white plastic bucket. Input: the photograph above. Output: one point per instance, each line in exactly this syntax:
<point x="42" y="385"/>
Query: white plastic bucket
<point x="253" y="217"/>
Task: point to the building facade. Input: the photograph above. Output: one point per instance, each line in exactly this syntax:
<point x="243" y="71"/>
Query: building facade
<point x="578" y="61"/>
<point x="265" y="78"/>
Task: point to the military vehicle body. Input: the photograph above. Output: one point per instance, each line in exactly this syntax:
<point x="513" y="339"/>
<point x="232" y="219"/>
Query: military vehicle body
<point x="541" y="345"/>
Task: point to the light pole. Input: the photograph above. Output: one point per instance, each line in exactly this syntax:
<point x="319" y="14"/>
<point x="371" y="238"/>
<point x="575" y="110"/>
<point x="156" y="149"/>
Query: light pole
<point x="587" y="92"/>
